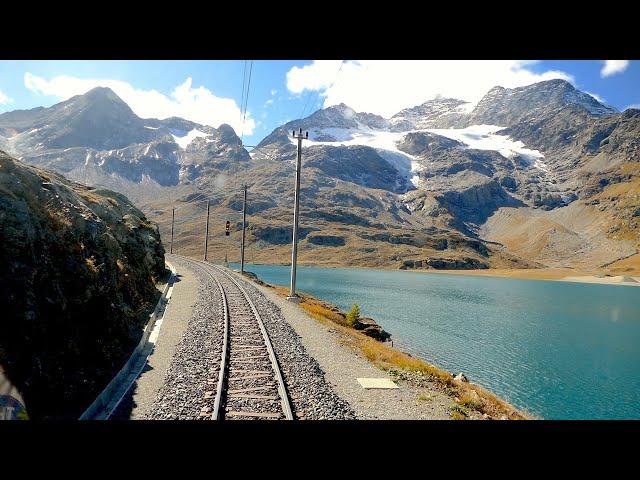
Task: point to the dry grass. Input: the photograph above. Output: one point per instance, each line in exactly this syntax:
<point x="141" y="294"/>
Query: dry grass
<point x="627" y="266"/>
<point x="470" y="399"/>
<point x="425" y="397"/>
<point x="622" y="199"/>
<point x="459" y="413"/>
<point x="468" y="395"/>
<point x="91" y="265"/>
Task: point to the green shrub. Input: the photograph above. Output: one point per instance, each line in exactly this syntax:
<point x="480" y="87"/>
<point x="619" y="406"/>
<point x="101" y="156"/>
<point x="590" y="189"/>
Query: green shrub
<point x="354" y="314"/>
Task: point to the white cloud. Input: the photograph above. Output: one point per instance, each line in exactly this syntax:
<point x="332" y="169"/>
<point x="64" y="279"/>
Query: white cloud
<point x="635" y="105"/>
<point x="611" y="67"/>
<point x="199" y="104"/>
<point x="387" y="86"/>
<point x="273" y="91"/>
<point x="4" y="99"/>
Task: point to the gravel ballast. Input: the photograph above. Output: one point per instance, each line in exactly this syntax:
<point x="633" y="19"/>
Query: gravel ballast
<point x="312" y="397"/>
<point x="319" y="370"/>
<point x="197" y="357"/>
<point x="416" y="399"/>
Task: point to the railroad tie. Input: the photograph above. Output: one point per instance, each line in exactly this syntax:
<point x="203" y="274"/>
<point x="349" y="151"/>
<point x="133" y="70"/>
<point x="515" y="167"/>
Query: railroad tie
<point x="250" y="389"/>
<point x="250" y="377"/>
<point x="255" y="397"/>
<point x="249" y="359"/>
<point x="268" y="372"/>
<point x="235" y="413"/>
<point x="249" y="362"/>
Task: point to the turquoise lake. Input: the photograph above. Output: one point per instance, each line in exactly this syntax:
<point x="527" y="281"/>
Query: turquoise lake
<point x="559" y="350"/>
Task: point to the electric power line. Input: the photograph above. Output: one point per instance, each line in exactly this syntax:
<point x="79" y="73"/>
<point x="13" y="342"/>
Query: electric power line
<point x="244" y="75"/>
<point x="317" y="92"/>
<point x="246" y="102"/>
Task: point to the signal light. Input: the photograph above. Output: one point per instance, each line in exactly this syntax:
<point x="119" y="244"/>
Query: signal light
<point x="227" y="228"/>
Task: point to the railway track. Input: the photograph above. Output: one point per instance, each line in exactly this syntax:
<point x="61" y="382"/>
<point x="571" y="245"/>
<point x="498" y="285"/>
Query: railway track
<point x="249" y="384"/>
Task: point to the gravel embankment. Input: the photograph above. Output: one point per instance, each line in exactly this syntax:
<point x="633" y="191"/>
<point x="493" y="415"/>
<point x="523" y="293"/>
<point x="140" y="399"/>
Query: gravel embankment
<point x="196" y="359"/>
<point x="312" y="397"/>
<point x="416" y="399"/>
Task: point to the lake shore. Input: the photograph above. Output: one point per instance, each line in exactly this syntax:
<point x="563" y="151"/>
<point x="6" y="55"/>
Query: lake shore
<point x="519" y="338"/>
<point x="558" y="274"/>
<point x="470" y="400"/>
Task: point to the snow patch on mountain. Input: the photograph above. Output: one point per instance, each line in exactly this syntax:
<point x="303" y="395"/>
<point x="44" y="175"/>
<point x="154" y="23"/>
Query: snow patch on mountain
<point x="478" y="137"/>
<point x="484" y="137"/>
<point x="382" y="141"/>
<point x="183" y="139"/>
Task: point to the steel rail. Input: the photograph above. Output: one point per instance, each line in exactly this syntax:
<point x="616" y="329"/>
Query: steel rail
<point x="221" y="389"/>
<point x="222" y="374"/>
<point x="284" y="397"/>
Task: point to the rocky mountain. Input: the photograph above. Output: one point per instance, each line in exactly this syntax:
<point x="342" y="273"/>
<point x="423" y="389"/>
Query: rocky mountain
<point x="96" y="138"/>
<point x="504" y="106"/>
<point x="76" y="286"/>
<point x="534" y="149"/>
<point x="439" y="112"/>
<point x="429" y="185"/>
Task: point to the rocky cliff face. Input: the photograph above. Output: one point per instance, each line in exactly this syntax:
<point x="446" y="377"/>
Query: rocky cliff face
<point x="436" y="113"/>
<point x="76" y="285"/>
<point x="508" y="106"/>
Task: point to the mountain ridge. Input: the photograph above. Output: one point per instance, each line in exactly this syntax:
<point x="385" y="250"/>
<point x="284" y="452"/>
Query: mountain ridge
<point x="440" y="164"/>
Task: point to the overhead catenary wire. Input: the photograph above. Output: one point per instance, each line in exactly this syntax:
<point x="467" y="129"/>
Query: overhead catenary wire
<point x="244" y="79"/>
<point x="199" y="201"/>
<point x="255" y="148"/>
<point x="317" y="92"/>
<point x="242" y="94"/>
<point x="246" y="102"/>
<point x="191" y="202"/>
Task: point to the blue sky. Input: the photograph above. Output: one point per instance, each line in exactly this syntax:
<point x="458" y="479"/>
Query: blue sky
<point x="210" y="91"/>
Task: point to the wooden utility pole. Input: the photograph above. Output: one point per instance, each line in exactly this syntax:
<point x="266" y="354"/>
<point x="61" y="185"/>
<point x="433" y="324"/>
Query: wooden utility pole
<point x="206" y="234"/>
<point x="296" y="216"/>
<point x="244" y="223"/>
